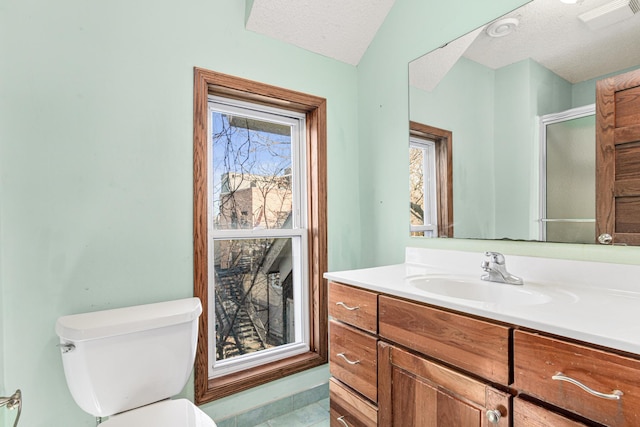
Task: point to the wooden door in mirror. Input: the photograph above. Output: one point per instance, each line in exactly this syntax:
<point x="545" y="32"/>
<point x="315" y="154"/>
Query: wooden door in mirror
<point x="618" y="159"/>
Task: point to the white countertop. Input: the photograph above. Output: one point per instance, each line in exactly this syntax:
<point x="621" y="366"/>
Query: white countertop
<point x="598" y="303"/>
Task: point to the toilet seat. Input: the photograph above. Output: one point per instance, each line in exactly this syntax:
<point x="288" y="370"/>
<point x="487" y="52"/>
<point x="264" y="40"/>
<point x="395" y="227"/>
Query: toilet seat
<point x="168" y="413"/>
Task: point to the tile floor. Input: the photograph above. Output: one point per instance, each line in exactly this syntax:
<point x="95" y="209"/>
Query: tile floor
<point x="313" y="415"/>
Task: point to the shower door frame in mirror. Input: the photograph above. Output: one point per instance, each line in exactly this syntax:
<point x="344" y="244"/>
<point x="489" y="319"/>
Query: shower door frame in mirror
<point x="545" y="121"/>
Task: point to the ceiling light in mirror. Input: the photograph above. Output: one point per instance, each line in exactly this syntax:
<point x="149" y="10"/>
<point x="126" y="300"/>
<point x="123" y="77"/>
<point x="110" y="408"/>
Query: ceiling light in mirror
<point x="610" y="13"/>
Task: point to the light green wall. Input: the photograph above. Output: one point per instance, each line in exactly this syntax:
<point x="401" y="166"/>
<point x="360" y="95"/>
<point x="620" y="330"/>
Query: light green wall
<point x="468" y="89"/>
<point x="96" y="105"/>
<point x="495" y="134"/>
<point x="413" y="28"/>
<point x="2" y="320"/>
<point x="584" y="93"/>
<point x="524" y="91"/>
<point x="512" y="149"/>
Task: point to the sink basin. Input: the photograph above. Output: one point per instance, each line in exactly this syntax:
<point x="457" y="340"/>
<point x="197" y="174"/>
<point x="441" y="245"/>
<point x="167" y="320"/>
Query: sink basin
<point x="474" y="289"/>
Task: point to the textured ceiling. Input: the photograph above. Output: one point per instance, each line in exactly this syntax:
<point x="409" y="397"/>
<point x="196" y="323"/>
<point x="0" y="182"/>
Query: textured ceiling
<point x="339" y="29"/>
<point x="551" y="34"/>
<point x="427" y="71"/>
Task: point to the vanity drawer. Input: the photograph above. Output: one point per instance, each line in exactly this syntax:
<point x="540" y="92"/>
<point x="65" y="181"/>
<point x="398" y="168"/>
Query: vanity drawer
<point x="353" y="358"/>
<point x="354" y="306"/>
<point x="347" y="407"/>
<point x="474" y="345"/>
<point x="538" y="358"/>
<point x="527" y="414"/>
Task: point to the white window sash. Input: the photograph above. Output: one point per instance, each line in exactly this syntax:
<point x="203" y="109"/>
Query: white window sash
<point x="429" y="186"/>
<point x="298" y="235"/>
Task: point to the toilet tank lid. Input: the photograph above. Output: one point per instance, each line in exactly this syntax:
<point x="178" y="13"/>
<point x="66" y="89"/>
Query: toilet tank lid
<point x="120" y="321"/>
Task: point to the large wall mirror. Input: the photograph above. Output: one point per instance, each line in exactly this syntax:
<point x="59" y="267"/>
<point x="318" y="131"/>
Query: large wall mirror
<point x="518" y="99"/>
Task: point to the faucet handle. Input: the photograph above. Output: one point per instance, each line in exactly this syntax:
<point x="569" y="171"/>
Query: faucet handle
<point x="496" y="257"/>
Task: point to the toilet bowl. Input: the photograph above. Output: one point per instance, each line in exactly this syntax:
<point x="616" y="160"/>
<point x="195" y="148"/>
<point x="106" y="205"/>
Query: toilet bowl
<point x="127" y="363"/>
<point x="169" y="413"/>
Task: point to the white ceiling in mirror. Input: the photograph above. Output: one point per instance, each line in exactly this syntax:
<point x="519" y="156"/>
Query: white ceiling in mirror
<point x="338" y="29"/>
<point x="427" y="71"/>
<point x="551" y="33"/>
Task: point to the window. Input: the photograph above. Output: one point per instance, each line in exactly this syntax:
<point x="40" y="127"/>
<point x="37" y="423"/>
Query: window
<point x="259" y="233"/>
<point x="424" y="204"/>
<point x="430" y="181"/>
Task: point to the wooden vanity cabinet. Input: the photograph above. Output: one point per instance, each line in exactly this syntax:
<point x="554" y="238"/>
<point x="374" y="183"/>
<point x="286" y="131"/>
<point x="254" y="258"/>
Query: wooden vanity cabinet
<point x="422" y="366"/>
<point x="408" y="389"/>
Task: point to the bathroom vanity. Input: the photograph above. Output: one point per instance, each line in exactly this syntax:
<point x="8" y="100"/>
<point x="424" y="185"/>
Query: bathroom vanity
<point x="427" y="343"/>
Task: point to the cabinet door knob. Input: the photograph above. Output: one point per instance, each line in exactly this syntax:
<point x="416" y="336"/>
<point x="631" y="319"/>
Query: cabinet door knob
<point x="493" y="415"/>
<point x="605" y="239"/>
<point x="341" y="419"/>
<point x="347" y="307"/>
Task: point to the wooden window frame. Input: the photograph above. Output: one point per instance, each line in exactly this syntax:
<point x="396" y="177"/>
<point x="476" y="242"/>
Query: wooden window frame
<point x="444" y="172"/>
<point x="207" y="83"/>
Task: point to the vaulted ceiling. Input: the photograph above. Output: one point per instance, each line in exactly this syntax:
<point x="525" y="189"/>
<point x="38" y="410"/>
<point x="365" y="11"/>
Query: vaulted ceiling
<point x="339" y="29"/>
<point x="549" y="32"/>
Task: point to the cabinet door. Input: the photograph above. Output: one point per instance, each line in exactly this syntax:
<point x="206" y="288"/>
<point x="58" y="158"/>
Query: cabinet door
<point x="417" y="392"/>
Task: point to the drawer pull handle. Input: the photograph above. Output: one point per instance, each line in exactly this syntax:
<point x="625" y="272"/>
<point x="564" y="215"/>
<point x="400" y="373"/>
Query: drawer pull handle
<point x="341" y="419"/>
<point x="614" y="395"/>
<point x="350" y="362"/>
<point x="357" y="307"/>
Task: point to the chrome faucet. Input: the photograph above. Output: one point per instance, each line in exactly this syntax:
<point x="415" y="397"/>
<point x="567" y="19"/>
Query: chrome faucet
<point x="497" y="271"/>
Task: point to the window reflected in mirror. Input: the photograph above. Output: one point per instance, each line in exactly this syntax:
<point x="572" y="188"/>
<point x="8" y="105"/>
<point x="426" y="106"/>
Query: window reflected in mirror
<point x="422" y="175"/>
<point x="430" y="181"/>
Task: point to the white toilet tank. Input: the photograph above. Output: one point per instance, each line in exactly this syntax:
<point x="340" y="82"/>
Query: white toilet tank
<point x="120" y="359"/>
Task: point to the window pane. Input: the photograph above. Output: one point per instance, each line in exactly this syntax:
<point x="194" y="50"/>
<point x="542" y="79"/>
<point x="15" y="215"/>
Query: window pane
<point x="416" y="182"/>
<point x="252" y="181"/>
<point x="254" y="295"/>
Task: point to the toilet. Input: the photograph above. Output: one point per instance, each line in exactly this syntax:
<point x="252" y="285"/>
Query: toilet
<point x="127" y="363"/>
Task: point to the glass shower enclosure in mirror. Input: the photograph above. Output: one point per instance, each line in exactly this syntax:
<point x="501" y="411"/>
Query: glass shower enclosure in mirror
<point x="491" y="89"/>
<point x="567" y="176"/>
